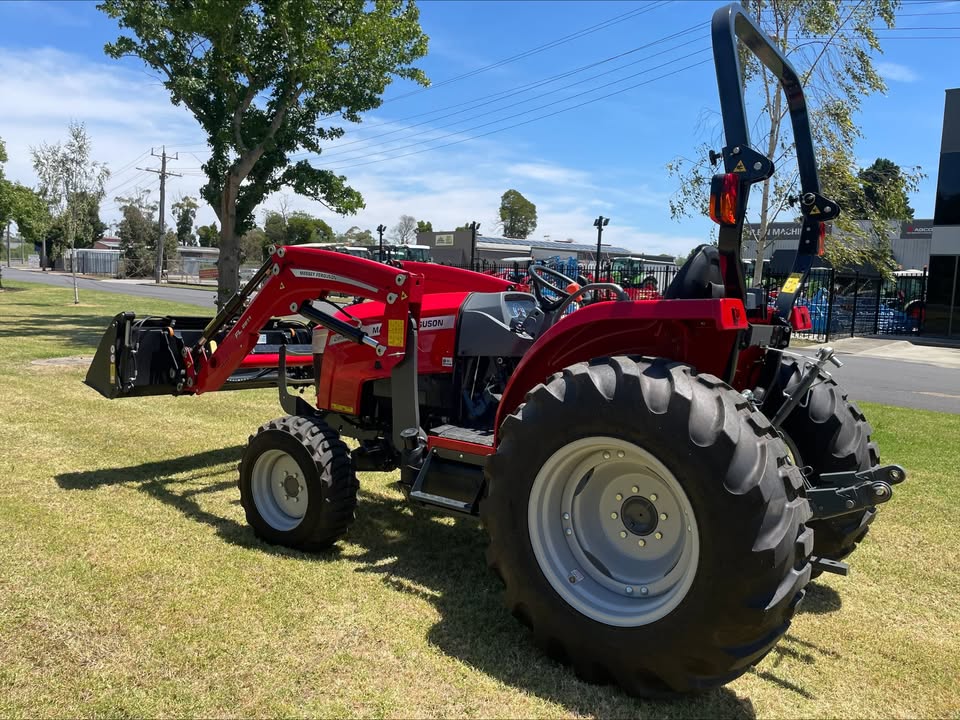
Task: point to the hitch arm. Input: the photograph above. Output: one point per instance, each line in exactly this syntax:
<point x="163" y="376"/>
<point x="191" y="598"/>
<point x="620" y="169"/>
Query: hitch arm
<point x="844" y="493"/>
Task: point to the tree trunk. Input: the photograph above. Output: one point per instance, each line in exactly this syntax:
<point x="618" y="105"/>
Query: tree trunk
<point x="228" y="275"/>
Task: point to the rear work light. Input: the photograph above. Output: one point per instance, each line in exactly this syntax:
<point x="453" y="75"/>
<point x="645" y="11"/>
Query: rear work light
<point x="723" y="198"/>
<point x="821" y="242"/>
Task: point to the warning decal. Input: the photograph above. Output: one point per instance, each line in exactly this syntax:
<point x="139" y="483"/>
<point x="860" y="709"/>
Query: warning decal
<point x="814" y="210"/>
<point x="791" y="284"/>
<point x="395" y="333"/>
<point x="740" y="167"/>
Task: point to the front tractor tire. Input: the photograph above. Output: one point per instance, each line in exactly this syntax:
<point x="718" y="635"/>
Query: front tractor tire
<point x="647" y="525"/>
<point x="827" y="433"/>
<point x="297" y="483"/>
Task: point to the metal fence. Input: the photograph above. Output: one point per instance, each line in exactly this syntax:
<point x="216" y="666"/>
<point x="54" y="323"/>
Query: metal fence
<point x="849" y="304"/>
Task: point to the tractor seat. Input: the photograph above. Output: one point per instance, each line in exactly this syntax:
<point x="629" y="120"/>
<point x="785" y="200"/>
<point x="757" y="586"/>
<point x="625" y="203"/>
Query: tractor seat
<point x="699" y="278"/>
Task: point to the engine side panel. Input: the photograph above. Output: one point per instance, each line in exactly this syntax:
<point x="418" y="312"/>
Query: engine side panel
<point x="347" y="366"/>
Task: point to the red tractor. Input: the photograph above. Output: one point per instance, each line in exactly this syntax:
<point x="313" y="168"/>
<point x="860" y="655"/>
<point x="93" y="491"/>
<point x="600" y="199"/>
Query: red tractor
<point x="659" y="478"/>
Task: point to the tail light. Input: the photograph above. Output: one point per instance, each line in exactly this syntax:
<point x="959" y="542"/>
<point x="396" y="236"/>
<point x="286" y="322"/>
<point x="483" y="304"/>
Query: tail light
<point x="723" y="198"/>
<point x="822" y="238"/>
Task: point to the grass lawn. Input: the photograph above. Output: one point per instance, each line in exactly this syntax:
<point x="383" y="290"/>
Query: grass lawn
<point x="131" y="585"/>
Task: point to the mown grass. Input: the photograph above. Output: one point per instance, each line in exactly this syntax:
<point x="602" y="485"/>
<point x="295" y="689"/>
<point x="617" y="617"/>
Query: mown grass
<point x="131" y="585"/>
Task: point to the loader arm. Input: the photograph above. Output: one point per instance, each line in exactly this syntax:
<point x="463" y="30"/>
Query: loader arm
<point x="156" y="356"/>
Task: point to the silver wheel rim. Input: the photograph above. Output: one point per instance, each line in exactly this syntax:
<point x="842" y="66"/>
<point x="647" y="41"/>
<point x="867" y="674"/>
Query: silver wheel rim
<point x="279" y="490"/>
<point x="613" y="531"/>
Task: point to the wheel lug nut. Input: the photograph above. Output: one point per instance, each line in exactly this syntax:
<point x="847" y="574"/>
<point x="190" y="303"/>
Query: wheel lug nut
<point x="619" y="496"/>
<point x="566" y="516"/>
<point x="634" y="489"/>
<point x="643" y="590"/>
<point x="641" y="542"/>
<point x="621" y="453"/>
<point x="613" y="516"/>
<point x="606" y="454"/>
<point x="663" y="516"/>
<point x="628" y="590"/>
<point x="658" y="535"/>
<point x="568" y="531"/>
<point x="653" y="497"/>
<point x="623" y="533"/>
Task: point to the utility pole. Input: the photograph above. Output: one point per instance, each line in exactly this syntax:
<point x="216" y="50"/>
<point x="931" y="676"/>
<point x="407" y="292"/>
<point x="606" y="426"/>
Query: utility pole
<point x="600" y="223"/>
<point x="381" y="228"/>
<point x="474" y="226"/>
<point x="162" y="172"/>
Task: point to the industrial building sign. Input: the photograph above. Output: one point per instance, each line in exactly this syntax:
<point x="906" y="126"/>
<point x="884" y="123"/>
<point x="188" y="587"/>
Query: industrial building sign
<point x="443" y="240"/>
<point x="916" y="229"/>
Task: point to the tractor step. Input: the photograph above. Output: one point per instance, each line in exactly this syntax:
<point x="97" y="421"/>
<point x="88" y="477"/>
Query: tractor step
<point x="451" y="479"/>
<point x="462" y="434"/>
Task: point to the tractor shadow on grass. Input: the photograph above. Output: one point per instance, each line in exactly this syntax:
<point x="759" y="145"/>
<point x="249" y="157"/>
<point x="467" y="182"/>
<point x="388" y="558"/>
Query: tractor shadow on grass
<point x="441" y="560"/>
<point x="178" y="482"/>
<point x="181" y="483"/>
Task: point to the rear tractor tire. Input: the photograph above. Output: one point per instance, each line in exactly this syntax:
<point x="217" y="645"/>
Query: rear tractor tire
<point x="828" y="433"/>
<point x="297" y="483"/>
<point x="647" y="524"/>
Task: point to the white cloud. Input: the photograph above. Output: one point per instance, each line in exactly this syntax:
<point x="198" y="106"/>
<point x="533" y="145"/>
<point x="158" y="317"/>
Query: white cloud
<point x="127" y="112"/>
<point x="896" y="72"/>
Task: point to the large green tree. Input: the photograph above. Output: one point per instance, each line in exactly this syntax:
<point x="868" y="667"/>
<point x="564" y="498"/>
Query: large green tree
<point x="264" y="78"/>
<point x="518" y="216"/>
<point x="831" y="43"/>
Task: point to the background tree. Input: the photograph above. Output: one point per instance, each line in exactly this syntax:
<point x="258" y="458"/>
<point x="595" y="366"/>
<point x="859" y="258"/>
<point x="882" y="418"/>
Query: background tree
<point x="30" y="213"/>
<point x="138" y="232"/>
<point x="275" y="228"/>
<point x="518" y="216"/>
<point x="208" y="235"/>
<point x="355" y="236"/>
<point x="304" y="228"/>
<point x="262" y="79"/>
<point x="831" y="44"/>
<point x="404" y="231"/>
<point x="253" y="246"/>
<point x="70" y="181"/>
<point x="185" y="212"/>
<point x="88" y="227"/>
<point x="424" y="226"/>
<point x="883" y="190"/>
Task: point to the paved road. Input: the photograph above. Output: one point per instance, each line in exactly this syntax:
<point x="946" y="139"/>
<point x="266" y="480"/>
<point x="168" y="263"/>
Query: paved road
<point x="203" y="298"/>
<point x="929" y="381"/>
<point x="900" y="383"/>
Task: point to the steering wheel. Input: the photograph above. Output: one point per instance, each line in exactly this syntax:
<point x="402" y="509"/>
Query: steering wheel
<point x="560" y="287"/>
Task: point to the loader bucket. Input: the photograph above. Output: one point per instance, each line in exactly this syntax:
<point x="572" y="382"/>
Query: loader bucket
<point x="139" y="357"/>
<point x="145" y="357"/>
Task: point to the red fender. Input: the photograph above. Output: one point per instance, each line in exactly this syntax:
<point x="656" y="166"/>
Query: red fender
<point x="698" y="332"/>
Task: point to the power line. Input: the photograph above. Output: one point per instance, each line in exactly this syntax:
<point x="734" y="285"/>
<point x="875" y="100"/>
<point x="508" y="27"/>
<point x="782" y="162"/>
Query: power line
<point x="538" y="49"/>
<point x="504" y="95"/>
<point x="527" y="122"/>
<point x="534" y="109"/>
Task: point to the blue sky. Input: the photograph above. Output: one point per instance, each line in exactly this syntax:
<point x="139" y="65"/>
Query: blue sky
<point x="605" y="157"/>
